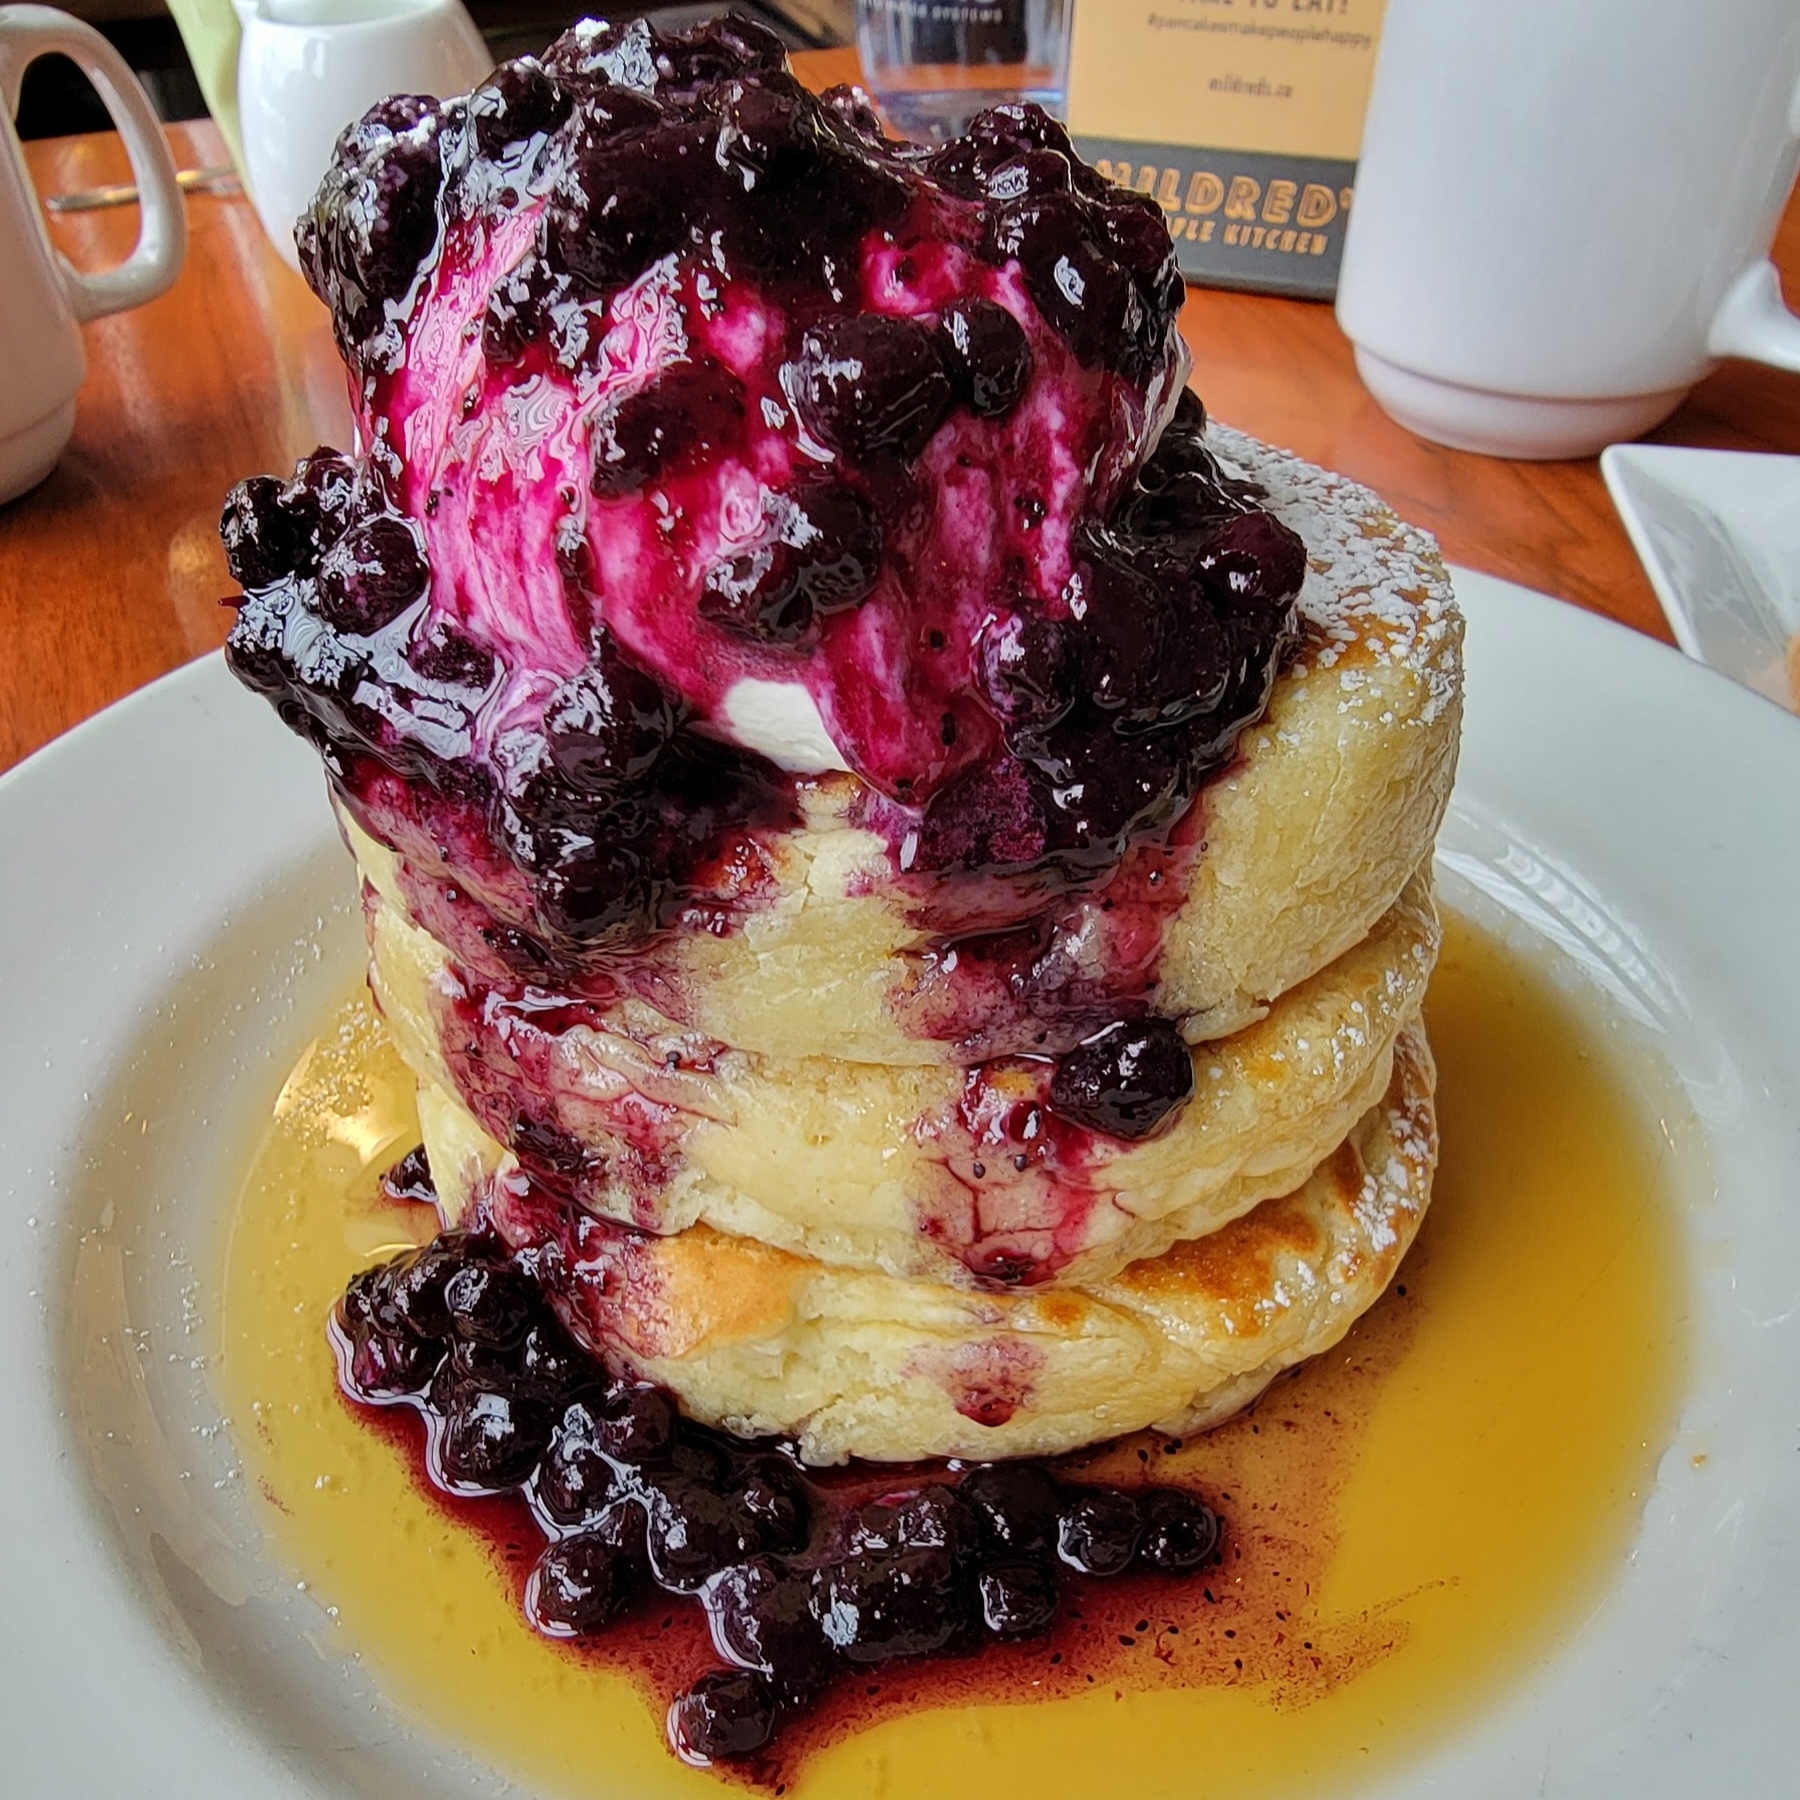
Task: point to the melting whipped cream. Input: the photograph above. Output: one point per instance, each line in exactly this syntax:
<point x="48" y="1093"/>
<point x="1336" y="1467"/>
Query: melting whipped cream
<point x="779" y="720"/>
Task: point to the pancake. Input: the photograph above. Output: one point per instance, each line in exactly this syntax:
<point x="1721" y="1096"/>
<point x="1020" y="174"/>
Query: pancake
<point x="934" y="1173"/>
<point x="858" y="1364"/>
<point x="809" y="944"/>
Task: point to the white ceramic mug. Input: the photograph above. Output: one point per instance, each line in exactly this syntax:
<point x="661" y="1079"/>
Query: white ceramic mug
<point x="43" y="300"/>
<point x="1563" y="210"/>
<point x="308" y="68"/>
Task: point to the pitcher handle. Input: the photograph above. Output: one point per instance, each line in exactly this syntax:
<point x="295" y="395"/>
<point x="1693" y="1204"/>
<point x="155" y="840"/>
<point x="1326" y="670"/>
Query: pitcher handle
<point x="28" y="32"/>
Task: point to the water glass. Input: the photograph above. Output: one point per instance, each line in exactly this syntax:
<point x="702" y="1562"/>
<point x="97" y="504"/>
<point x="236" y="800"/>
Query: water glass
<point x="933" y="64"/>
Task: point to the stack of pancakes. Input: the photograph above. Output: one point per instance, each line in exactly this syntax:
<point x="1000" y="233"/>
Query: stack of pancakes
<point x="804" y="1217"/>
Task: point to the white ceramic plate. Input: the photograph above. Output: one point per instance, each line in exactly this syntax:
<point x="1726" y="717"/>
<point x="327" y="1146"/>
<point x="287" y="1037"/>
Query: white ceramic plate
<point x="1718" y="532"/>
<point x="175" y="915"/>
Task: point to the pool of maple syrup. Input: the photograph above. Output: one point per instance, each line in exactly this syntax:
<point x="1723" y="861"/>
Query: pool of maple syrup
<point x="1412" y="1518"/>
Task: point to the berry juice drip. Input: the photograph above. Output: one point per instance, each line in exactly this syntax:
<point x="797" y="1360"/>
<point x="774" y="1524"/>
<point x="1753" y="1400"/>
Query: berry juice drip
<point x="1382" y="1585"/>
<point x="675" y="380"/>
<point x="803" y="1582"/>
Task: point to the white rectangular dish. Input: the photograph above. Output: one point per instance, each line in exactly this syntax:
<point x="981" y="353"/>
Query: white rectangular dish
<point x="1718" y="532"/>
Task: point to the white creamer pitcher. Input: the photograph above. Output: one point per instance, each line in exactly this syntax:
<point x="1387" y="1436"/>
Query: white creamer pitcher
<point x="43" y="301"/>
<point x="308" y="68"/>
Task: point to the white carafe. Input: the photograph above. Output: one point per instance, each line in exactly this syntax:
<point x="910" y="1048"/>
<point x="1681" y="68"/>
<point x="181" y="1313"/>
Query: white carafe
<point x="44" y="301"/>
<point x="308" y="68"/>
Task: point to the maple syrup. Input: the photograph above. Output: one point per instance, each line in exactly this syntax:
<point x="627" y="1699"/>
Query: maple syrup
<point x="1412" y="1517"/>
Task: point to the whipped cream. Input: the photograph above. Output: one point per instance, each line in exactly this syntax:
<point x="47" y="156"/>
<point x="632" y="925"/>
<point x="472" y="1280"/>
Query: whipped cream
<point x="779" y="720"/>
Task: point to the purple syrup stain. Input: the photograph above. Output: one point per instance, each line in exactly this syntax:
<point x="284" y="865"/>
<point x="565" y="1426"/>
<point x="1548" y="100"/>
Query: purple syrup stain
<point x="618" y="1510"/>
<point x="551" y="1098"/>
<point x="1022" y="1179"/>
<point x="989" y="1382"/>
<point x="1069" y="961"/>
<point x="610" y="322"/>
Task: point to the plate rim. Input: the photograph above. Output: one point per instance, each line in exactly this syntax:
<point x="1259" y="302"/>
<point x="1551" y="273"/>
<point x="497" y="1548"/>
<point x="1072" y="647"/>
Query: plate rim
<point x="215" y="1751"/>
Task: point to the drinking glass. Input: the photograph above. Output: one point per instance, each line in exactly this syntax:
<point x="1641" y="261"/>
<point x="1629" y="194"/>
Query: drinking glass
<point x="933" y="64"/>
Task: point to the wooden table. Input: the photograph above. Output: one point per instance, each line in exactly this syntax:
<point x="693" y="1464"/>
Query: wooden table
<point x="111" y="572"/>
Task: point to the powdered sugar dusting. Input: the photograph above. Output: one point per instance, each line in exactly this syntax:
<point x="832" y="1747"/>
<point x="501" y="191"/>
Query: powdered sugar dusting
<point x="1374" y="582"/>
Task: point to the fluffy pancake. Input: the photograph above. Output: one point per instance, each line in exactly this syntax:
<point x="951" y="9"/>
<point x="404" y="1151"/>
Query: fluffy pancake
<point x="812" y="947"/>
<point x="936" y="1173"/>
<point x="859" y="1364"/>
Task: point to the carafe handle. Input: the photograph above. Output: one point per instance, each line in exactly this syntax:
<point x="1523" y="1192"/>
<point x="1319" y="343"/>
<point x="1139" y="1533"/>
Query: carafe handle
<point x="28" y="32"/>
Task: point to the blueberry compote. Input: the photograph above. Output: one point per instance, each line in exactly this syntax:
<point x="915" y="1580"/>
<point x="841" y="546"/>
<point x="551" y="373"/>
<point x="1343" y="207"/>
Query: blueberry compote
<point x="804" y="1580"/>
<point x="672" y="377"/>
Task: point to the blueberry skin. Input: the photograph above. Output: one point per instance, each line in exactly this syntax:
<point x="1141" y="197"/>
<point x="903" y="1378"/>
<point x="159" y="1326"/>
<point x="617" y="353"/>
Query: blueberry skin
<point x="726" y="1714"/>
<point x="1099" y="1532"/>
<point x="1126" y="1081"/>
<point x="1018" y="1506"/>
<point x="1181" y="1532"/>
<point x="1018" y="1600"/>
<point x="580" y="1585"/>
<point x="867" y="383"/>
<point x="760" y="1615"/>
<point x="875" y="1605"/>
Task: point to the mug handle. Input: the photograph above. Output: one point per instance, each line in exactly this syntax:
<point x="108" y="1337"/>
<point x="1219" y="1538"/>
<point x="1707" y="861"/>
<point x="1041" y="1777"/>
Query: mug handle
<point x="1752" y="321"/>
<point x="28" y="32"/>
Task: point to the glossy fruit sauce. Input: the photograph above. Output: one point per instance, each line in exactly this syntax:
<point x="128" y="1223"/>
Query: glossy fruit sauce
<point x="1407" y="1521"/>
<point x="809" y="1582"/>
<point x="687" y="398"/>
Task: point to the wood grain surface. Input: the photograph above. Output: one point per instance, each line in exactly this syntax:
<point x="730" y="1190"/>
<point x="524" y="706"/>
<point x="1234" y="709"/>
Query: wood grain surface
<point x="111" y="572"/>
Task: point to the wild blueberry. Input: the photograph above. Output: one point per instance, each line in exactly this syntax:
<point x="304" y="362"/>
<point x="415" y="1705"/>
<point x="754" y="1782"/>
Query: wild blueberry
<point x="1099" y="1531"/>
<point x="1018" y="1506"/>
<point x="773" y="1497"/>
<point x="1180" y="1532"/>
<point x="1125" y="1081"/>
<point x="488" y="1442"/>
<point x="760" y="1615"/>
<point x="1017" y="1599"/>
<point x="579" y="1586"/>
<point x="937" y="1518"/>
<point x="322" y="494"/>
<point x="637" y="1425"/>
<point x="606" y="225"/>
<point x="874" y="1604"/>
<point x="692" y="410"/>
<point x="574" y="1479"/>
<point x="1075" y="282"/>
<point x="371" y="575"/>
<point x="1253" y="560"/>
<point x="727" y="1713"/>
<point x="1133" y="230"/>
<point x="519" y="100"/>
<point x="384" y="1364"/>
<point x="757" y="594"/>
<point x="601" y="891"/>
<point x="263" y="542"/>
<point x="489" y="1304"/>
<point x="410" y="1178"/>
<point x="416" y="1287"/>
<point x="987" y="354"/>
<point x="606" y="727"/>
<point x="866" y="383"/>
<point x="693" y="1531"/>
